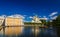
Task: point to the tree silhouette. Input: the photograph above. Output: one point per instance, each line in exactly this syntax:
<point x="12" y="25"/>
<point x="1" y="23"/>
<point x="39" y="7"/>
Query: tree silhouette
<point x="56" y="24"/>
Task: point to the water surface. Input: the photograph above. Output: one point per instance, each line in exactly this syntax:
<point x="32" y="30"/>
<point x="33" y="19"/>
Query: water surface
<point x="27" y="32"/>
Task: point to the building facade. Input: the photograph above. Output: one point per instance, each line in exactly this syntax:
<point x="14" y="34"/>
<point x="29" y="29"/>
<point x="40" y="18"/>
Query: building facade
<point x="13" y="21"/>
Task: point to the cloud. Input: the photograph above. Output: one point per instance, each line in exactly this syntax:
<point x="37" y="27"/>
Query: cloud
<point x="53" y="13"/>
<point x="44" y="18"/>
<point x="30" y="17"/>
<point x="53" y="17"/>
<point x="16" y="16"/>
<point x="3" y="16"/>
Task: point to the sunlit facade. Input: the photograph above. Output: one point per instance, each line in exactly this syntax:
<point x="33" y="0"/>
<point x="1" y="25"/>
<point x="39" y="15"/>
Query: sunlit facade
<point x="13" y="21"/>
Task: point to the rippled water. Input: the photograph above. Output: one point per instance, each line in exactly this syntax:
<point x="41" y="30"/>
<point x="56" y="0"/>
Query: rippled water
<point x="27" y="32"/>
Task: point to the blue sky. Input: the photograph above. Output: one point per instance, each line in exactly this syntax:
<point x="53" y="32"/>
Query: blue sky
<point x="29" y="7"/>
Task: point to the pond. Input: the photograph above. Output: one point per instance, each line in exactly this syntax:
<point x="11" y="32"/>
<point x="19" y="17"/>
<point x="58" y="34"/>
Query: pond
<point x="27" y="32"/>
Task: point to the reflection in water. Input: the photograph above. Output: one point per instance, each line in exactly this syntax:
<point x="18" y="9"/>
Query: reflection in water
<point x="27" y="32"/>
<point x="13" y="30"/>
<point x="1" y="31"/>
<point x="36" y="30"/>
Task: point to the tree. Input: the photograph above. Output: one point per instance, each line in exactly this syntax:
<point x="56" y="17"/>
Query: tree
<point x="56" y="24"/>
<point x="48" y="23"/>
<point x="43" y="21"/>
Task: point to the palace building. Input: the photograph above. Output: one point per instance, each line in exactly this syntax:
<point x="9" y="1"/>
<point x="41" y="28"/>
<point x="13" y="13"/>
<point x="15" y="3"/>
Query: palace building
<point x="15" y="20"/>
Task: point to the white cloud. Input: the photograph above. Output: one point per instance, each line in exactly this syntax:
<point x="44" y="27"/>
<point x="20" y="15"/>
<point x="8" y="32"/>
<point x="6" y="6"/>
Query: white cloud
<point x="54" y="17"/>
<point x="16" y="16"/>
<point x="3" y="16"/>
<point x="44" y="18"/>
<point x="30" y="17"/>
<point x="53" y="13"/>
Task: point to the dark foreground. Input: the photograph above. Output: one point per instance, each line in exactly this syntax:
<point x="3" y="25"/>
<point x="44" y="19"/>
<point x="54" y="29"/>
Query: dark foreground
<point x="27" y="32"/>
